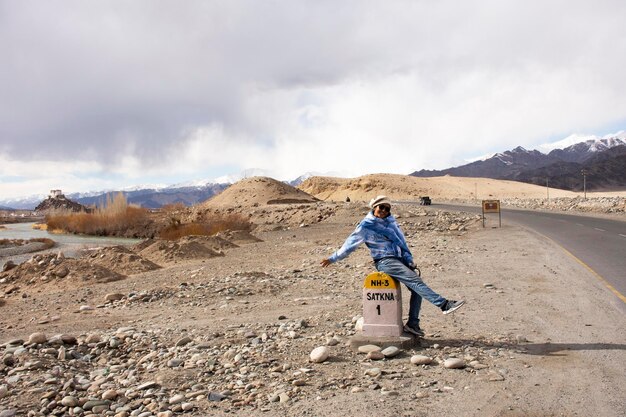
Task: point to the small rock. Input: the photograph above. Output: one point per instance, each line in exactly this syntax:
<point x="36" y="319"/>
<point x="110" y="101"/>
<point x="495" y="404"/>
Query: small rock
<point x="147" y="385"/>
<point x="86" y="308"/>
<point x="183" y="341"/>
<point x="216" y="396"/>
<point x="375" y="355"/>
<point x="273" y="398"/>
<point x="175" y="363"/>
<point x="421" y="360"/>
<point x="61" y="272"/>
<point x="100" y="408"/>
<point x="37" y="338"/>
<point x="373" y="372"/>
<point x="92" y="338"/>
<point x="8" y="413"/>
<point x="4" y="391"/>
<point x="69" y="401"/>
<point x="358" y="326"/>
<point x="68" y="339"/>
<point x="333" y="341"/>
<point x="178" y="398"/>
<point x="319" y="354"/>
<point x="114" y="343"/>
<point x="495" y="376"/>
<point x="116" y="296"/>
<point x="454" y="363"/>
<point x="477" y="365"/>
<point x="369" y="348"/>
<point x="391" y="351"/>
<point x="109" y="394"/>
<point x="91" y="404"/>
<point x="8" y="266"/>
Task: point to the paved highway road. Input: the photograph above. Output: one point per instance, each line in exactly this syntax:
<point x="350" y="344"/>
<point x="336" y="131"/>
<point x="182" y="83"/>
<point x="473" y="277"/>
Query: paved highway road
<point x="599" y="244"/>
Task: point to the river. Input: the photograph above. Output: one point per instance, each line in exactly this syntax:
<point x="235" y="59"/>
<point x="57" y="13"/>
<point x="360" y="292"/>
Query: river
<point x="69" y="244"/>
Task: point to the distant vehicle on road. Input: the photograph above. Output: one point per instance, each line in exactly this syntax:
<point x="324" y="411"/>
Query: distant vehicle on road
<point x="425" y="201"/>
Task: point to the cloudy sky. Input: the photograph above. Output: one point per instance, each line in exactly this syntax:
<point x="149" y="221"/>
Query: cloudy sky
<point x="106" y="94"/>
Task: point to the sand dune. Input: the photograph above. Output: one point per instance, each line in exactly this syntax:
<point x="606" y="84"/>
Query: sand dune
<point x="403" y="187"/>
<point x="259" y="191"/>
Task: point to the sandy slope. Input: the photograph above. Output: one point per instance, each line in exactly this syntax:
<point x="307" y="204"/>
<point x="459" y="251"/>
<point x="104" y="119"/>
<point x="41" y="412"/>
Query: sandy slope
<point x="257" y="191"/>
<point x="403" y="187"/>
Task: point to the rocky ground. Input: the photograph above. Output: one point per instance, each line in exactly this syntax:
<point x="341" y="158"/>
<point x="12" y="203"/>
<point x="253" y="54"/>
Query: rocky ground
<point x="615" y="206"/>
<point x="238" y="325"/>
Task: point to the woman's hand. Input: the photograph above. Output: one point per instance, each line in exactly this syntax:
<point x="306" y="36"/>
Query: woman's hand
<point x="325" y="263"/>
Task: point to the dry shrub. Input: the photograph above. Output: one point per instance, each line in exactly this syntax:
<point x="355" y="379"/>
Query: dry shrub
<point x="169" y="208"/>
<point x="216" y="224"/>
<point x="229" y="222"/>
<point x="48" y="243"/>
<point x="115" y="217"/>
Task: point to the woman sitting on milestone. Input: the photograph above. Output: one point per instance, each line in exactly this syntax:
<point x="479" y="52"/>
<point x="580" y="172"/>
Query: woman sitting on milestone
<point x="381" y="234"/>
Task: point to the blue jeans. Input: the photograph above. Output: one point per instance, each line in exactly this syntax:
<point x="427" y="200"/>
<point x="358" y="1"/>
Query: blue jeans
<point x="396" y="269"/>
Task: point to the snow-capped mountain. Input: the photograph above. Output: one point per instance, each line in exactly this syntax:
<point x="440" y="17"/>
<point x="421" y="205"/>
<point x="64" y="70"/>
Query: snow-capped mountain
<point x="610" y="140"/>
<point x="603" y="155"/>
<point x="23" y="203"/>
<point x="579" y="152"/>
<point x="155" y="196"/>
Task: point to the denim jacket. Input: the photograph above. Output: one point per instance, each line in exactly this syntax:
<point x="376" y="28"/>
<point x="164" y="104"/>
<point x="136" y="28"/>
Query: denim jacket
<point x="383" y="237"/>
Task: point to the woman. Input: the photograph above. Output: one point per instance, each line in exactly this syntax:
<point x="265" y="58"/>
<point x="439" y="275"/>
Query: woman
<point x="381" y="234"/>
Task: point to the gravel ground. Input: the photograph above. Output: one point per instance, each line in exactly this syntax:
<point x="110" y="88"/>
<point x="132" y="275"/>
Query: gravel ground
<point x="233" y="334"/>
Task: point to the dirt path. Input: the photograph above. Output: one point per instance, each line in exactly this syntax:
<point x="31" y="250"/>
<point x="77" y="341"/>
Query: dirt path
<point x="543" y="335"/>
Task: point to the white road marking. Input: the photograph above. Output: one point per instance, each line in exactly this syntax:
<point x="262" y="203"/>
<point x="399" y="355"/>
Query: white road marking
<point x="622" y="235"/>
<point x="578" y="224"/>
<point x="599" y="230"/>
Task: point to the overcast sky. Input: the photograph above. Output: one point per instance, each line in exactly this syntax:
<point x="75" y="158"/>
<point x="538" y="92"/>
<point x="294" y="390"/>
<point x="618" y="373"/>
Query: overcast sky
<point x="107" y="94"/>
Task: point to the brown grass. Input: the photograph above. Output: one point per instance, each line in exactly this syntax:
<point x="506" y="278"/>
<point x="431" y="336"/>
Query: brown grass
<point x="168" y="208"/>
<point x="48" y="243"/>
<point x="215" y="225"/>
<point x="115" y="217"/>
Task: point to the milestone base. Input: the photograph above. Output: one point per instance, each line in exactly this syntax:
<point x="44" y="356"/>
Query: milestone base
<point x="406" y="341"/>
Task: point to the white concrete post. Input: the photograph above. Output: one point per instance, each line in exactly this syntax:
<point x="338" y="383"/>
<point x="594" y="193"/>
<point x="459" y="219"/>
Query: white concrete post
<point x="382" y="306"/>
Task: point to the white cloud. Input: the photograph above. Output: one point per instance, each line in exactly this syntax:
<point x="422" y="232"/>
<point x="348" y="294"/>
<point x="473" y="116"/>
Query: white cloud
<point x="138" y="89"/>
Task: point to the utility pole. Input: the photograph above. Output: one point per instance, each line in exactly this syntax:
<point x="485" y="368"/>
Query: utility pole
<point x="547" y="190"/>
<point x="476" y="191"/>
<point x="584" y="172"/>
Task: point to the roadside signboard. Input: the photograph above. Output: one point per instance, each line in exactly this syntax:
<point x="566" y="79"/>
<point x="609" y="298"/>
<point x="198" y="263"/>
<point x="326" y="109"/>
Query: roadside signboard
<point x="492" y="206"/>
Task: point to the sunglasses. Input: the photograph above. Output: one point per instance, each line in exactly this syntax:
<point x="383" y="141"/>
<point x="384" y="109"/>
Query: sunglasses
<point x="384" y="208"/>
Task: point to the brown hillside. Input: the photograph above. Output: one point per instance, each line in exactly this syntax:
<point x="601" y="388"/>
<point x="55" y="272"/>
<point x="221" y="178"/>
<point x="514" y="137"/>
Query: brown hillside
<point x="404" y="187"/>
<point x="257" y="191"/>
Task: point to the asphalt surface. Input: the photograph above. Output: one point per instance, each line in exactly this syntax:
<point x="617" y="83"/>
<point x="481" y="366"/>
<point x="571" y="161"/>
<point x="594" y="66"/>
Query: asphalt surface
<point x="598" y="243"/>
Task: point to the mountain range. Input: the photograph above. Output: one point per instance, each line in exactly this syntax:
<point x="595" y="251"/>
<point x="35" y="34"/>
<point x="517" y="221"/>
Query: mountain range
<point x="603" y="161"/>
